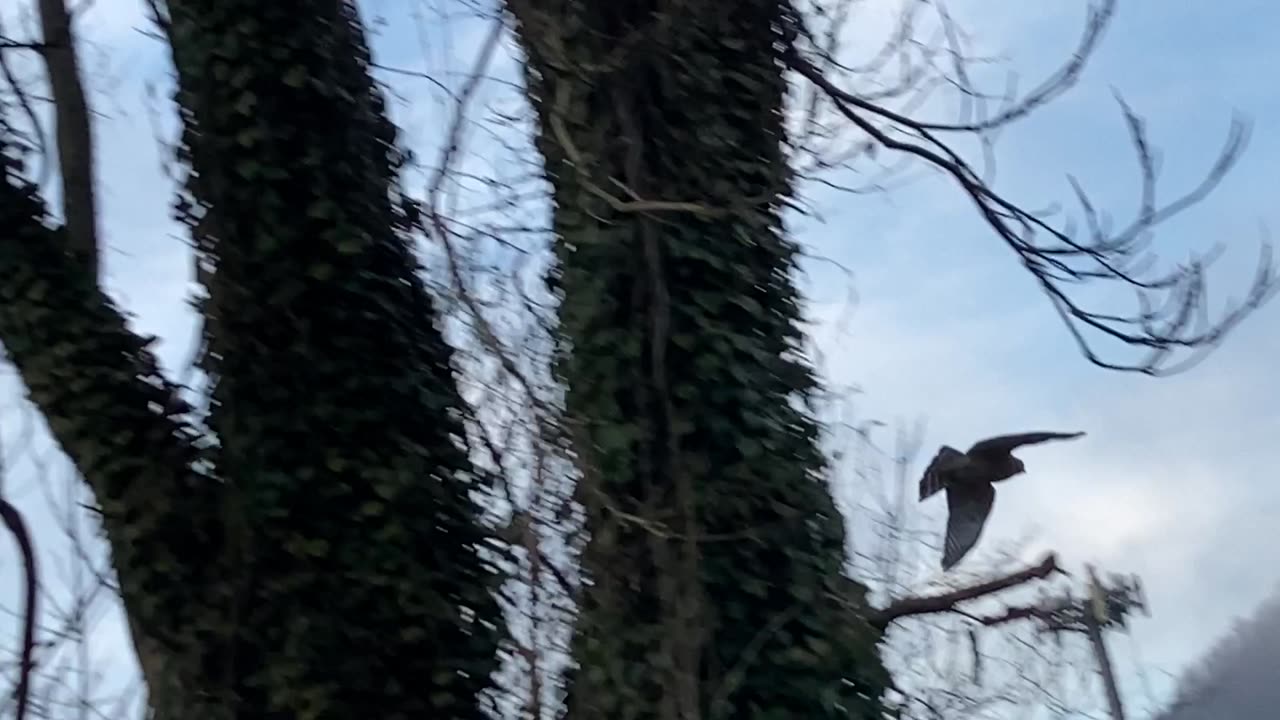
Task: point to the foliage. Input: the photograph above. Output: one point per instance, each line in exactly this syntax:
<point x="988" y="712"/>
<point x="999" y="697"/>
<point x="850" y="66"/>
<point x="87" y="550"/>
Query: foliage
<point x="1236" y="677"/>
<point x="714" y="566"/>
<point x="311" y="549"/>
<point x="309" y="545"/>
<point x="107" y="403"/>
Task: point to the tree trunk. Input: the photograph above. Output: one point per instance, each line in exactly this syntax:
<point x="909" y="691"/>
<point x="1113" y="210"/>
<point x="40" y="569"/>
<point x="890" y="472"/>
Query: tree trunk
<point x="716" y="552"/>
<point x="315" y="553"/>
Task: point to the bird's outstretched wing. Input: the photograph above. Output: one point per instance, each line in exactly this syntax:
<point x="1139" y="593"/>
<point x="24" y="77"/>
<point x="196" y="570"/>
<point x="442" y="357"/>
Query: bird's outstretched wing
<point x="934" y="479"/>
<point x="1005" y="444"/>
<point x="969" y="506"/>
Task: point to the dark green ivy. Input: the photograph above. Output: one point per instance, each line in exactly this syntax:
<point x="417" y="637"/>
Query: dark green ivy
<point x="716" y="554"/>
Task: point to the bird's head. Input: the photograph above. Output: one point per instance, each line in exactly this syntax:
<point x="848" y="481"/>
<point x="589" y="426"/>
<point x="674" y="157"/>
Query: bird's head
<point x="1017" y="466"/>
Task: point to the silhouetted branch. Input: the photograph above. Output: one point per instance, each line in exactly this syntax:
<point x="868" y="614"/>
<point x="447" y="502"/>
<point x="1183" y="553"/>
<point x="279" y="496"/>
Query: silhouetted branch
<point x="1171" y="313"/>
<point x="13" y="521"/>
<point x="33" y="139"/>
<point x="947" y="602"/>
<point x="12" y="45"/>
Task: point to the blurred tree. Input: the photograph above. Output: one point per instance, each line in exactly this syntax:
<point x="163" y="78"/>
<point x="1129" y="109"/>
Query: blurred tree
<point x="715" y="562"/>
<point x="308" y="546"/>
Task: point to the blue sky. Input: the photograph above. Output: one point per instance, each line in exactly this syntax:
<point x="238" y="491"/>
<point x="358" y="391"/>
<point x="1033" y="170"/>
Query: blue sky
<point x="1174" y="481"/>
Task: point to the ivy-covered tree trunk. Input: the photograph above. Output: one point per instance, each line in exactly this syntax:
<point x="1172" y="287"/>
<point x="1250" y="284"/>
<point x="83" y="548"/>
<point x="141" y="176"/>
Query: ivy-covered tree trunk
<point x="316" y="552"/>
<point x="715" y="562"/>
<point x="107" y="403"/>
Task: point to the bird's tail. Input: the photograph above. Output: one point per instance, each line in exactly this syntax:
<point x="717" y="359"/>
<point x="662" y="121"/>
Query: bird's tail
<point x="933" y="480"/>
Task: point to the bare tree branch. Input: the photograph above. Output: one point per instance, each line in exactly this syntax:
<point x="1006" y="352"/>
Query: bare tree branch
<point x="13" y="521"/>
<point x="1171" y="314"/>
<point x="947" y="602"/>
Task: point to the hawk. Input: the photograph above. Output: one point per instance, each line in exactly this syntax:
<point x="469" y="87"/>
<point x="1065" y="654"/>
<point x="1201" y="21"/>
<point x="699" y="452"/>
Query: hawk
<point x="968" y="479"/>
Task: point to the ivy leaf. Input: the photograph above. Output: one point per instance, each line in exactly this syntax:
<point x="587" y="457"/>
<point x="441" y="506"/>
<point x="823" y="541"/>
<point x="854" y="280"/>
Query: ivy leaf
<point x="295" y="76"/>
<point x="247" y="168"/>
<point x="246" y="102"/>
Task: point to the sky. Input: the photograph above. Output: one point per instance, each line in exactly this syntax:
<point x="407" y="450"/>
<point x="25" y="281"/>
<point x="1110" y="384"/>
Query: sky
<point x="1172" y="481"/>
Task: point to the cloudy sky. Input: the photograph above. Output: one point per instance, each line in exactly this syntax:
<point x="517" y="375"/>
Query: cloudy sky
<point x="1173" y="481"/>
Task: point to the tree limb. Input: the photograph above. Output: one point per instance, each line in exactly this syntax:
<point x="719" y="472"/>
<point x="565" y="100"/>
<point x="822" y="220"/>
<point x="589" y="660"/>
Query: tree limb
<point x="107" y="404"/>
<point x="74" y="133"/>
<point x="947" y="602"/>
<point x="13" y="521"/>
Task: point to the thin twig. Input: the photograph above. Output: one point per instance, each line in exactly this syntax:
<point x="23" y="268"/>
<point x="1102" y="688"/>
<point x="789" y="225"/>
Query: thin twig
<point x="13" y="521"/>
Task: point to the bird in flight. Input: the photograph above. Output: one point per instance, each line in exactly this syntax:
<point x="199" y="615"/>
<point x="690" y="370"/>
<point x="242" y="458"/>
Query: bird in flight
<point x="968" y="479"/>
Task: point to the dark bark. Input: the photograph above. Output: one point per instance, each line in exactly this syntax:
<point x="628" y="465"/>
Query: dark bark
<point x="716" y="552"/>
<point x="948" y="601"/>
<point x="74" y="133"/>
<point x="361" y="588"/>
<point x="22" y="538"/>
<point x="123" y="425"/>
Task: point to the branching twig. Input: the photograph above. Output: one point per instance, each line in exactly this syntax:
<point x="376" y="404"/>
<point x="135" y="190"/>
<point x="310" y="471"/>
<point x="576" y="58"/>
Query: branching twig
<point x="947" y="602"/>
